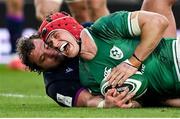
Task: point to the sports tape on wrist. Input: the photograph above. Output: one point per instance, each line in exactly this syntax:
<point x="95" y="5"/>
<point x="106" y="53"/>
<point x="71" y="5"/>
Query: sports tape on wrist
<point x="101" y="104"/>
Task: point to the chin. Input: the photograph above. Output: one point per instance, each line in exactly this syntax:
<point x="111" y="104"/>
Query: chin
<point x="73" y="53"/>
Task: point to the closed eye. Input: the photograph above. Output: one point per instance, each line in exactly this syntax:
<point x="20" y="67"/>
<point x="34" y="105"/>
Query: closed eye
<point x="42" y="58"/>
<point x="50" y="44"/>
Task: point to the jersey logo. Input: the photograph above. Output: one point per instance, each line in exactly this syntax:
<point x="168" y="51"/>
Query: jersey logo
<point x="116" y="53"/>
<point x="69" y="70"/>
<point x="66" y="100"/>
<point x="107" y="71"/>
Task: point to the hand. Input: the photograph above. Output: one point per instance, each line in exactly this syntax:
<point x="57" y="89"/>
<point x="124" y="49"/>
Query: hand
<point x="116" y="99"/>
<point x="120" y="73"/>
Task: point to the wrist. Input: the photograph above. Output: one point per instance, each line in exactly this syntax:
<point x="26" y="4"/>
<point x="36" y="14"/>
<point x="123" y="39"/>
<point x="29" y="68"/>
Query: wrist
<point x="134" y="62"/>
<point x="138" y="59"/>
<point x="101" y="104"/>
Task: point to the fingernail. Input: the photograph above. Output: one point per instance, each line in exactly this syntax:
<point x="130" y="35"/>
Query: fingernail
<point x="127" y="89"/>
<point x="113" y="83"/>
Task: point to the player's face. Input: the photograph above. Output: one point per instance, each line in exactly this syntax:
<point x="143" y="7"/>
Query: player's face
<point x="64" y="42"/>
<point x="44" y="56"/>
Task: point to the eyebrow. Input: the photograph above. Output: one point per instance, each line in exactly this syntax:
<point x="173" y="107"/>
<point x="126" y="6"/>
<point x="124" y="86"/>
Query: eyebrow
<point x="50" y="35"/>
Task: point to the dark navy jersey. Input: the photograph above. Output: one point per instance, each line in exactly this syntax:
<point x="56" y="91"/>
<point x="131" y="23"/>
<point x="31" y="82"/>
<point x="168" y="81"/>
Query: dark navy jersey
<point x="63" y="84"/>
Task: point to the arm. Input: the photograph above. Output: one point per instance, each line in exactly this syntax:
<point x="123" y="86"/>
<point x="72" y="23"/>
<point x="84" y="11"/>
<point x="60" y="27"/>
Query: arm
<point x="150" y="26"/>
<point x="71" y="94"/>
<point x="112" y="99"/>
<point x="172" y="102"/>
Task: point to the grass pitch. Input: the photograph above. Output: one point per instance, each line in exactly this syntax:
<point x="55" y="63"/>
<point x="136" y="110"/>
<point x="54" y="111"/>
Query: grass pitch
<point x="22" y="94"/>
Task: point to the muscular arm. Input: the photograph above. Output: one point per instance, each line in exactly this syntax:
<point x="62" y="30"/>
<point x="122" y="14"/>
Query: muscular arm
<point x="152" y="26"/>
<point x="112" y="99"/>
<point x="172" y="102"/>
<point x="86" y="99"/>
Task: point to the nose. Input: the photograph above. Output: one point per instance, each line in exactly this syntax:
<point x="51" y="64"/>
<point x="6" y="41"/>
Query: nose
<point x="46" y="46"/>
<point x="53" y="43"/>
<point x="50" y="52"/>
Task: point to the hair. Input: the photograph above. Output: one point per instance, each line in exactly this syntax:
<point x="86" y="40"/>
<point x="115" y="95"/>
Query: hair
<point x="25" y="46"/>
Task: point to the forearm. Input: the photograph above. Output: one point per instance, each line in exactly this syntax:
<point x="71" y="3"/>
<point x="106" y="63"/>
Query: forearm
<point x="172" y="102"/>
<point x="86" y="99"/>
<point x="112" y="99"/>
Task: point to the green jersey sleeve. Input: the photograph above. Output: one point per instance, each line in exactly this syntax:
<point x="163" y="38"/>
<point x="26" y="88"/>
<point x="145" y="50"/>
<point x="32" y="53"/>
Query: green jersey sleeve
<point x="115" y="25"/>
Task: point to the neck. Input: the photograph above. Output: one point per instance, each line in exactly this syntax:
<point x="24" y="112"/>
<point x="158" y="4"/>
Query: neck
<point x="79" y="43"/>
<point x="88" y="47"/>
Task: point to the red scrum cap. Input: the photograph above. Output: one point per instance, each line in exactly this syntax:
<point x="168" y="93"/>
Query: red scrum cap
<point x="60" y="21"/>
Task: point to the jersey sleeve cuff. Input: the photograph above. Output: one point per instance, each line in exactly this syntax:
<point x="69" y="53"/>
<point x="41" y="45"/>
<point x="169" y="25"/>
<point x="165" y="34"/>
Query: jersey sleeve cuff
<point x="77" y="95"/>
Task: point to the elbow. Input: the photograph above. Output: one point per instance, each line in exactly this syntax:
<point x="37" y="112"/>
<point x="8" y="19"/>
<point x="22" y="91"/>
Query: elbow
<point x="163" y="21"/>
<point x="160" y="22"/>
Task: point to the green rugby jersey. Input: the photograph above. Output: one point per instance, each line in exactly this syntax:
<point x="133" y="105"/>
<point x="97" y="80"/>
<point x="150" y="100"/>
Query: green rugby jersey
<point x="115" y="43"/>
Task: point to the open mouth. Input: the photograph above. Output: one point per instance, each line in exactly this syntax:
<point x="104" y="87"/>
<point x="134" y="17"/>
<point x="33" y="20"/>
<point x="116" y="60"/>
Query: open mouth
<point x="63" y="47"/>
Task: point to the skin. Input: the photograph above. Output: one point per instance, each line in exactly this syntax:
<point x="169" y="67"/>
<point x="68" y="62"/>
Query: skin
<point x="64" y="36"/>
<point x="112" y="99"/>
<point x="163" y="7"/>
<point x="43" y="55"/>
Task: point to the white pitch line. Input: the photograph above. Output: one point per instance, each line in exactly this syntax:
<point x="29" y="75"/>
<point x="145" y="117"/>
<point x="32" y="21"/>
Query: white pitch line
<point x="20" y="95"/>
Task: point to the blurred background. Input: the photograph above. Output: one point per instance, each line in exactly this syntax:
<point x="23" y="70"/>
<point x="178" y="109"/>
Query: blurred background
<point x="31" y="23"/>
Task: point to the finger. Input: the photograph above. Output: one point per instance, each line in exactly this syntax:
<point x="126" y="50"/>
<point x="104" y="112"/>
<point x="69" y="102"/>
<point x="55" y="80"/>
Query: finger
<point x="123" y="79"/>
<point x="131" y="95"/>
<point x="129" y="105"/>
<point x="115" y="82"/>
<point x="110" y="74"/>
<point x="118" y="79"/>
<point x="110" y="92"/>
<point x="127" y="98"/>
<point x="113" y="71"/>
<point x="115" y="93"/>
<point x="114" y="75"/>
<point x="123" y="94"/>
<point x="109" y="95"/>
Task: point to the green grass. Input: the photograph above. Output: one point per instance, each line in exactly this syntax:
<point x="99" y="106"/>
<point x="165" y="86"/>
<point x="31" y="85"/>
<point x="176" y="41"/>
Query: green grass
<point x="22" y="94"/>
